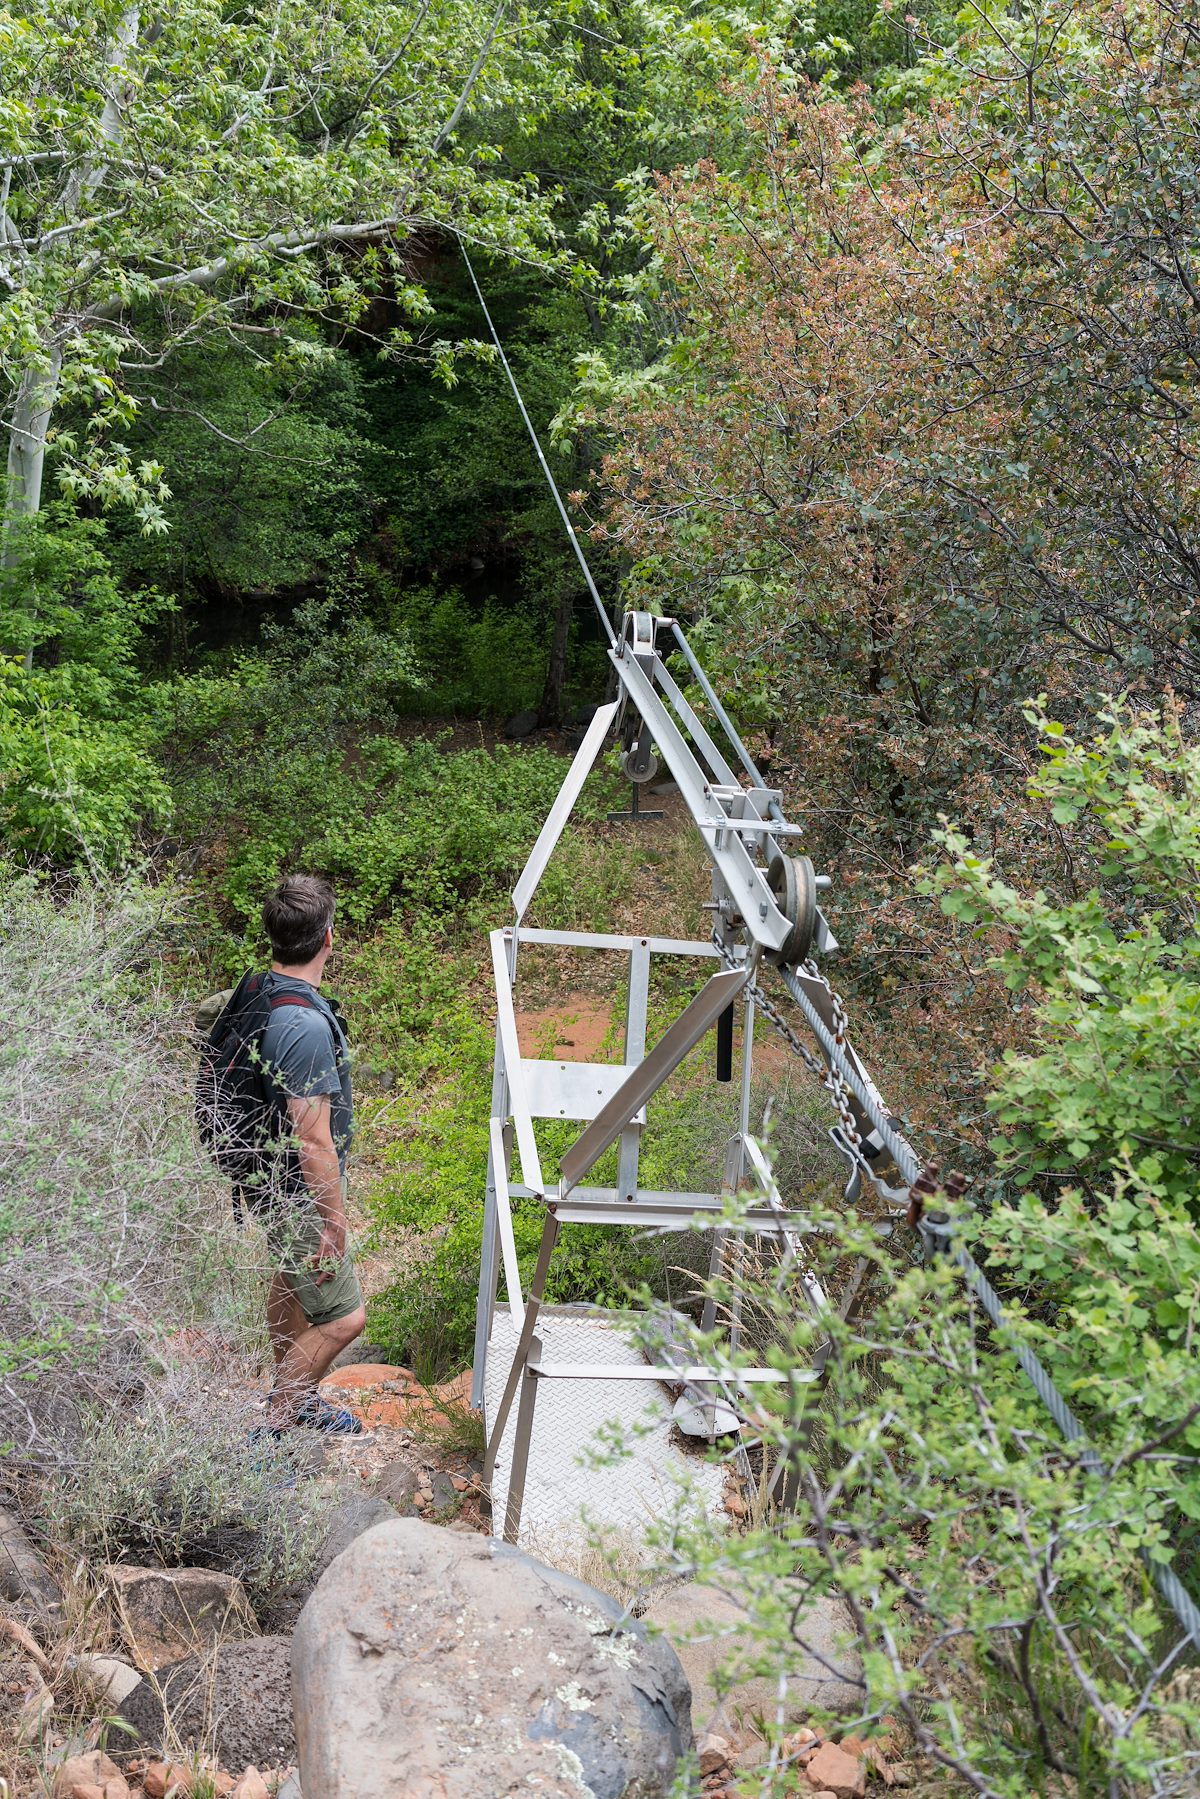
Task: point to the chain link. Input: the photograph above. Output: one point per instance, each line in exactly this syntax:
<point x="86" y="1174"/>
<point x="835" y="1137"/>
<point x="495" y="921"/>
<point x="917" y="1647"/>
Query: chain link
<point x="829" y="1076"/>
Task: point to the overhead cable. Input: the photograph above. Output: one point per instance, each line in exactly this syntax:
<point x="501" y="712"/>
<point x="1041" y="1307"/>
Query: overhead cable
<point x="545" y="466"/>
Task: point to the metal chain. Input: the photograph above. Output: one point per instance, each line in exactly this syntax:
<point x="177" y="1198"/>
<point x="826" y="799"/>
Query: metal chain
<point x="828" y="1074"/>
<point x="937" y="1236"/>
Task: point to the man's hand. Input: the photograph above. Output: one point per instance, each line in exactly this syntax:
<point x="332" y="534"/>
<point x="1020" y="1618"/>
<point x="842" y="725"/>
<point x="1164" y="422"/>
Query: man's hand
<point x="322" y="1176"/>
<point x="330" y="1248"/>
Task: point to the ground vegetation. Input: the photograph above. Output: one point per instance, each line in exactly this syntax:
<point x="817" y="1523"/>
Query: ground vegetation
<point x="870" y="345"/>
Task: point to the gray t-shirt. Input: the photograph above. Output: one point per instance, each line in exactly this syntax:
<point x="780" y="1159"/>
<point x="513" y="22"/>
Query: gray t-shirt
<point x="305" y="1051"/>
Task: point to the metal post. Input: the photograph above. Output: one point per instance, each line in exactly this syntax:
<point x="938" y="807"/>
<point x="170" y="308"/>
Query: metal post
<point x="485" y="1304"/>
<point x="520" y="1456"/>
<point x="635" y="1050"/>
<point x="533" y="1304"/>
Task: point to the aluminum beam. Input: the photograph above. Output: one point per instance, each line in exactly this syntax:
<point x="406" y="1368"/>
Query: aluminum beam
<point x="745" y="882"/>
<point x="504" y="1224"/>
<point x="635" y="1049"/>
<point x="560" y="811"/>
<point x="658" y="946"/>
<point x="741" y="1377"/>
<point x="506" y="1024"/>
<point x="695" y="1019"/>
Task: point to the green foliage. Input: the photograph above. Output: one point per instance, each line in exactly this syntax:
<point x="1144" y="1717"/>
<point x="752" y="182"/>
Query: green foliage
<point x="171" y="185"/>
<point x="989" y="1575"/>
<point x="992" y="1570"/>
<point x="176" y="1482"/>
<point x="76" y="774"/>
<point x="1096" y="1113"/>
<point x="268" y="760"/>
<point x="265" y="460"/>
<point x="484" y="663"/>
<point x="1110" y="979"/>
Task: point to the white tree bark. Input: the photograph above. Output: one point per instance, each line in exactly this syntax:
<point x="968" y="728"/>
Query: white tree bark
<point x="30" y="422"/>
<point x="37" y="390"/>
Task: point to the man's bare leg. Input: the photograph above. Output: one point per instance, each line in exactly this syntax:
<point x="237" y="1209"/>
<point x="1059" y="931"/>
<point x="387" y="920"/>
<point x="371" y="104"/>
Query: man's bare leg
<point x="307" y="1358"/>
<point x="285" y="1317"/>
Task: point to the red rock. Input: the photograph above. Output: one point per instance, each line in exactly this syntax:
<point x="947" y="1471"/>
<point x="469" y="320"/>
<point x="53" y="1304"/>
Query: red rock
<point x="872" y="1752"/>
<point x="93" y="1769"/>
<point x="370" y="1374"/>
<point x="162" y="1778"/>
<point x="832" y="1770"/>
<point x="715" y="1753"/>
<point x="87" y="1789"/>
<point x="251" y="1786"/>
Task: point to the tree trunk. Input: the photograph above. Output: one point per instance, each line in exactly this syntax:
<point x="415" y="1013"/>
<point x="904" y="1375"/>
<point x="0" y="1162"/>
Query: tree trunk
<point x="550" y="707"/>
<point x="35" y="399"/>
<point x="38" y="388"/>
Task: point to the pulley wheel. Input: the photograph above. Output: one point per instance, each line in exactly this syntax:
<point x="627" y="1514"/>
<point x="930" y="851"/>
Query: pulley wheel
<point x="793" y="881"/>
<point x="639" y="764"/>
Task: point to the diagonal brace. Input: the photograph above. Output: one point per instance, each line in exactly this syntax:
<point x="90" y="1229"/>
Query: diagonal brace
<point x="700" y="1016"/>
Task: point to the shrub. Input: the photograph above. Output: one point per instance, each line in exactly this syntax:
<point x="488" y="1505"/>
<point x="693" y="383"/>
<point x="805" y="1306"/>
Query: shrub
<point x="999" y="1576"/>
<point x="104" y="1203"/>
<point x="175" y="1481"/>
<point x="77" y="776"/>
<point x="280" y="763"/>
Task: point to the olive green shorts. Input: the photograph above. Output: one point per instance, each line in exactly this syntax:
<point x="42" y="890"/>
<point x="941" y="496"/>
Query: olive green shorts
<point x="293" y="1236"/>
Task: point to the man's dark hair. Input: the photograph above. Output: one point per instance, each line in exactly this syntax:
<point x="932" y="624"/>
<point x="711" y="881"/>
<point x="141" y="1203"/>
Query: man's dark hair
<point x="296" y="915"/>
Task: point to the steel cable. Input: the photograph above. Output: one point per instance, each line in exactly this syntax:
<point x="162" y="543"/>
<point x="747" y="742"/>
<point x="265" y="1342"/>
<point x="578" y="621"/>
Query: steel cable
<point x="840" y="1077"/>
<point x="536" y="442"/>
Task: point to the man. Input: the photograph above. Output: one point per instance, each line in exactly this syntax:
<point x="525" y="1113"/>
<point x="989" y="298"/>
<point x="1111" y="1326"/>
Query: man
<point x="315" y="1304"/>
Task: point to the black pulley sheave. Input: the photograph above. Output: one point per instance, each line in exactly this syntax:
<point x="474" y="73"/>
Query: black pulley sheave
<point x="793" y="881"/>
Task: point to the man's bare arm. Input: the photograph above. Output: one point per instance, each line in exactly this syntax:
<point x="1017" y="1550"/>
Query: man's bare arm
<point x="319" y="1165"/>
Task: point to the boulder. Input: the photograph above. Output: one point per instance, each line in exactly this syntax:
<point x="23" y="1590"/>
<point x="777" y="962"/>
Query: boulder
<point x="353" y="1515"/>
<point x="831" y="1770"/>
<point x="713" y="1637"/>
<point x="521" y="724"/>
<point x="236" y="1701"/>
<point x="169" y="1614"/>
<point x="430" y="1662"/>
<point x="25" y="1579"/>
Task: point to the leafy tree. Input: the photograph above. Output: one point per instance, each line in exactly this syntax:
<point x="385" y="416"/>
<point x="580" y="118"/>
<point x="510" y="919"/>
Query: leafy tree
<point x="915" y="440"/>
<point x="170" y="181"/>
<point x="269" y="493"/>
<point x="77" y="775"/>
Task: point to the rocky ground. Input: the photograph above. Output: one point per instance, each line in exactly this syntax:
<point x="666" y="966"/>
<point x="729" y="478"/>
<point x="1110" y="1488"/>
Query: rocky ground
<point x="197" y="1703"/>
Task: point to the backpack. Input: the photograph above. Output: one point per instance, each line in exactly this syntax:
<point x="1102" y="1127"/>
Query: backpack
<point x="240" y="1112"/>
